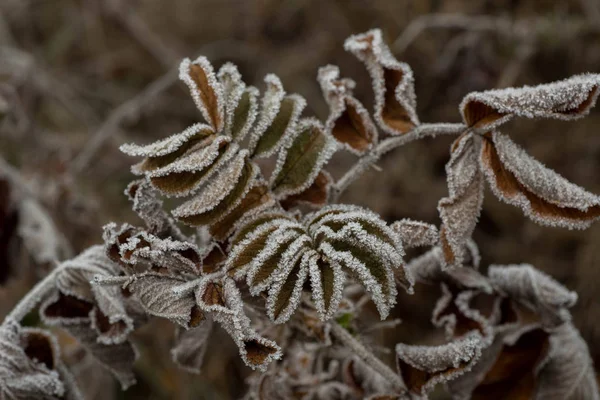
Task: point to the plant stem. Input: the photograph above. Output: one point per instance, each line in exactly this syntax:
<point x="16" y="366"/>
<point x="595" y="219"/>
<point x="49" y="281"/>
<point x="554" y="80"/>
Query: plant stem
<point x="361" y="351"/>
<point x="366" y="161"/>
<point x="33" y="297"/>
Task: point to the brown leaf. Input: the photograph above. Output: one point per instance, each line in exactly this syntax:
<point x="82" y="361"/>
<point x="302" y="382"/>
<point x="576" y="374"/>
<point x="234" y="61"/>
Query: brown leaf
<point x="460" y="210"/>
<point x="205" y="89"/>
<point x="543" y="195"/>
<point x="568" y="99"/>
<point x="190" y="347"/>
<point x="316" y="195"/>
<point x="393" y="82"/>
<point x="415" y="233"/>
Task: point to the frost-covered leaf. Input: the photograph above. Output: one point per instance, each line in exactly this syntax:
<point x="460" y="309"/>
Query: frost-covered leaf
<point x="302" y="158"/>
<point x="568" y="371"/>
<point x="454" y="313"/>
<point x="362" y="378"/>
<point x="568" y="99"/>
<point x="205" y="89"/>
<point x="349" y="122"/>
<point x="535" y="290"/>
<point x="156" y="294"/>
<point x="29" y="364"/>
<point x="164" y="152"/>
<point x="221" y="195"/>
<point x="190" y="171"/>
<point x="316" y="195"/>
<point x="393" y="82"/>
<point x="543" y="195"/>
<point x="415" y="233"/>
<point x="190" y="346"/>
<point x="279" y="114"/>
<point x="423" y="367"/>
<point x="460" y="210"/>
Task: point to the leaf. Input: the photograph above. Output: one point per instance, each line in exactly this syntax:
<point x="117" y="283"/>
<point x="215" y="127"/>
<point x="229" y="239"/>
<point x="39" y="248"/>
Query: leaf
<point x="205" y="89"/>
<point x="423" y="367"/>
<point x="29" y="364"/>
<point x="189" y="172"/>
<point x="535" y="290"/>
<point x="415" y="233"/>
<point x="460" y="210"/>
<point x="454" y="313"/>
<point x="327" y="283"/>
<point x="568" y="371"/>
<point x="393" y="82"/>
<point x="543" y="195"/>
<point x="225" y="192"/>
<point x="568" y="99"/>
<point x="316" y="195"/>
<point x="156" y="295"/>
<point x="165" y="151"/>
<point x="190" y="347"/>
<point x="277" y="120"/>
<point x="259" y="197"/>
<point x="301" y="159"/>
<point x="349" y="122"/>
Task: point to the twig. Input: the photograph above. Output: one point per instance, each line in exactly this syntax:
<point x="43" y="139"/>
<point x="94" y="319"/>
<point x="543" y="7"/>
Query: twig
<point x="389" y="144"/>
<point x="118" y="115"/>
<point x="359" y="350"/>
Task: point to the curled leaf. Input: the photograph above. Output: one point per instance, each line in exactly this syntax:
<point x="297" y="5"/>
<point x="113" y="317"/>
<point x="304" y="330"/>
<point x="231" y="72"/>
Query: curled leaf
<point x="205" y="89"/>
<point x="568" y="99"/>
<point x="460" y="210"/>
<point x="301" y="159"/>
<point x="349" y="122"/>
<point x="535" y="290"/>
<point x="543" y="195"/>
<point x="423" y="367"/>
<point x="190" y="346"/>
<point x="393" y="82"/>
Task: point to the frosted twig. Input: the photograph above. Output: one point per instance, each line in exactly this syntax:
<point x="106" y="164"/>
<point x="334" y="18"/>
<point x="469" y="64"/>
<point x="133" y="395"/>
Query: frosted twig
<point x="34" y="296"/>
<point x="359" y="350"/>
<point x="421" y="131"/>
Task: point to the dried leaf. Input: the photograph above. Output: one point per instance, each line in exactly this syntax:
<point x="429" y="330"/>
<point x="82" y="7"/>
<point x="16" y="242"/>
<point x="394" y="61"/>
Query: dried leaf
<point x="393" y="82"/>
<point x="301" y="159"/>
<point x="223" y="194"/>
<point x="277" y="121"/>
<point x="316" y="195"/>
<point x="460" y="210"/>
<point x="415" y="233"/>
<point x="568" y="372"/>
<point x="190" y="346"/>
<point x="349" y="122"/>
<point x="157" y="296"/>
<point x="205" y="89"/>
<point x="535" y="290"/>
<point x="423" y="367"/>
<point x="543" y="195"/>
<point x="568" y="99"/>
<point x="454" y="313"/>
<point x="165" y="151"/>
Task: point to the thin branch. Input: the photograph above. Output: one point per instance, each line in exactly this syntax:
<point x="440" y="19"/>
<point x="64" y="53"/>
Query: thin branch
<point x="421" y="131"/>
<point x="361" y="351"/>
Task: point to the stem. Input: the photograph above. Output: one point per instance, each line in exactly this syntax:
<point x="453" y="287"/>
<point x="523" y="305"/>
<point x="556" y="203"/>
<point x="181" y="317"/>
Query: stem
<point x="359" y="350"/>
<point x="33" y="297"/>
<point x="389" y="144"/>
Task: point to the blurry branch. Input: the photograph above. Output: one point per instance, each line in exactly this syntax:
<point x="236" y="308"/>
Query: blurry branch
<point x="120" y="114"/>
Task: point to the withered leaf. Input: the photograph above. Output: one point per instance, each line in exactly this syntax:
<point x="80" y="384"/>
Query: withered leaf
<point x="277" y="121"/>
<point x="535" y="290"/>
<point x="205" y="89"/>
<point x="454" y="313"/>
<point x="460" y="210"/>
<point x="393" y="82"/>
<point x="302" y="158"/>
<point x="349" y="122"/>
<point x="415" y="233"/>
<point x="543" y="195"/>
<point x="190" y="346"/>
<point x="568" y="99"/>
<point x="221" y="195"/>
<point x="423" y="367"/>
<point x="316" y="195"/>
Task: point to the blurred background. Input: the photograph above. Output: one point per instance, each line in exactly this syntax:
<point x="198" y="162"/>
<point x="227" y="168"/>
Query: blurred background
<point x="80" y="77"/>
